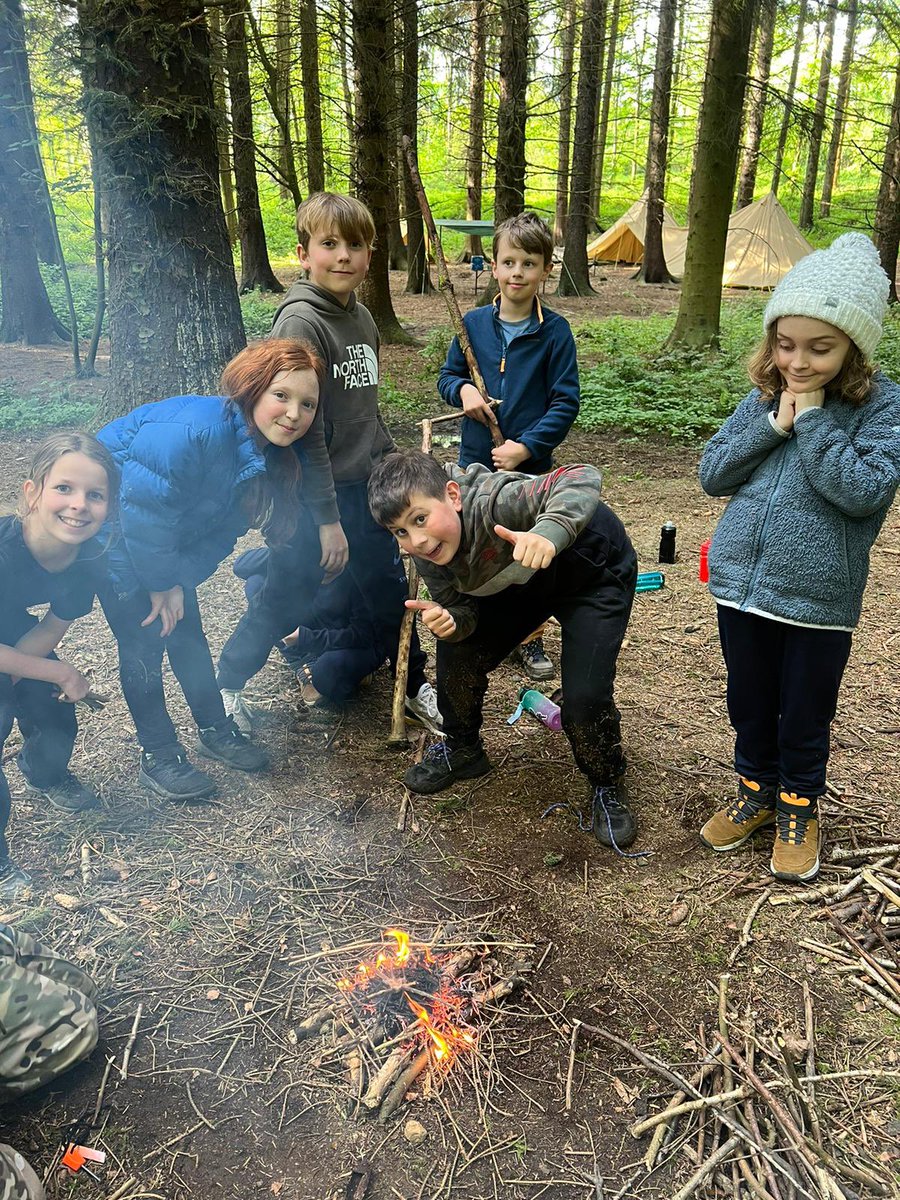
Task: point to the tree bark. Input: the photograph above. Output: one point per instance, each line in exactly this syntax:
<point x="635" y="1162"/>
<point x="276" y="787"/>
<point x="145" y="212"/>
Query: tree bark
<point x="758" y="89"/>
<point x="653" y="266"/>
<point x="281" y="98"/>
<point x="222" y="120"/>
<point x="573" y="280"/>
<point x="475" y="142"/>
<point x="418" y="279"/>
<point x="174" y="317"/>
<point x="284" y="169"/>
<point x="376" y="124"/>
<point x="256" y="272"/>
<point x="603" y="128"/>
<point x="568" y="18"/>
<point x="840" y="112"/>
<point x="312" y="97"/>
<point x="509" y="185"/>
<point x="789" y="99"/>
<point x="807" y="199"/>
<point x="594" y="197"/>
<point x="887" y="211"/>
<point x="346" y="55"/>
<point x="712" y="182"/>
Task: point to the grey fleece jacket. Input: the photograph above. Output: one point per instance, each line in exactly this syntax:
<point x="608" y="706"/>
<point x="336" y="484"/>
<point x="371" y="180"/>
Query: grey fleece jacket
<point x="558" y="506"/>
<point x="794" y="541"/>
<point x="348" y="437"/>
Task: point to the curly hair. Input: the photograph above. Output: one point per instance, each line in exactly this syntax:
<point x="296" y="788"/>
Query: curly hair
<point x="852" y="384"/>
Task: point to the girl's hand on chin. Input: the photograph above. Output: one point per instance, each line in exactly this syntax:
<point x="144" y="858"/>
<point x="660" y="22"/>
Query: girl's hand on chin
<point x="813" y="399"/>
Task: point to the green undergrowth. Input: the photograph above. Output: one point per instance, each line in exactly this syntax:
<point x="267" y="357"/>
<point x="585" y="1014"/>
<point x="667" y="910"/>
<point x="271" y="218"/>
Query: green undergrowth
<point x="47" y="407"/>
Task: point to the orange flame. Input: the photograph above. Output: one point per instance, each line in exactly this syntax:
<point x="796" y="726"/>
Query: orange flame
<point x="441" y="1045"/>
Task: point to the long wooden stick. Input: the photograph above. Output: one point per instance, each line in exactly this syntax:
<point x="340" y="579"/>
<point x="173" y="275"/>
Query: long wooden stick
<point x="445" y="285"/>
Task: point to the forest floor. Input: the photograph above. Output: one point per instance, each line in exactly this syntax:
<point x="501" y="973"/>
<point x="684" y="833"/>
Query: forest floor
<point x="220" y="927"/>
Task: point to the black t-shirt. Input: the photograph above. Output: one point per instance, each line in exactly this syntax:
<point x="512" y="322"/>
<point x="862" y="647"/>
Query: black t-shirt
<point x="24" y="582"/>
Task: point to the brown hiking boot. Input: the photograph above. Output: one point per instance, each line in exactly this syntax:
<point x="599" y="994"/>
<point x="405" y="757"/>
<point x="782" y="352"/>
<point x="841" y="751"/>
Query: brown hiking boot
<point x="795" y="856"/>
<point x="732" y="826"/>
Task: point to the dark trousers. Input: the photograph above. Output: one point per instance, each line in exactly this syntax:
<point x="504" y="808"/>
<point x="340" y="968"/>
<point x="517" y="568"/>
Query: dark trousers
<point x="294" y="576"/>
<point x="141" y="652"/>
<point x="48" y="728"/>
<point x="783" y="683"/>
<point x="589" y="588"/>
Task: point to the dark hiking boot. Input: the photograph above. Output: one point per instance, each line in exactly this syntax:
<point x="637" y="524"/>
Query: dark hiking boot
<point x="732" y="826"/>
<point x="614" y="823"/>
<point x="533" y="657"/>
<point x="13" y="880"/>
<point x="69" y="795"/>
<point x="168" y="773"/>
<point x="226" y="743"/>
<point x="795" y="855"/>
<point x="442" y="766"/>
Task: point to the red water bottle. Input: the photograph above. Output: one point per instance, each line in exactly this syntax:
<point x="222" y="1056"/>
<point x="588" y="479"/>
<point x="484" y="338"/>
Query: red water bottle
<point x="703" y="572"/>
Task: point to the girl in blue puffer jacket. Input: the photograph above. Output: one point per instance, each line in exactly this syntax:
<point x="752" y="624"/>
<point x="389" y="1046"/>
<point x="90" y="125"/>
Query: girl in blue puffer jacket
<point x="197" y="472"/>
<point x="811" y="460"/>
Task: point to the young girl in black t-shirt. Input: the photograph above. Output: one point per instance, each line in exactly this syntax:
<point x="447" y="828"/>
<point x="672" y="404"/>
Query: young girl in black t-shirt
<point x="48" y="554"/>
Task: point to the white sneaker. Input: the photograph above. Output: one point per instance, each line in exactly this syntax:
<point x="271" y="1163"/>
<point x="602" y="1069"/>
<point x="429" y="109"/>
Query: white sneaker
<point x="238" y="708"/>
<point x="423" y="708"/>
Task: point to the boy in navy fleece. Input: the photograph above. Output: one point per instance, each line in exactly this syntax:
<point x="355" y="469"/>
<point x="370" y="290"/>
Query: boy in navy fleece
<point x="527" y="358"/>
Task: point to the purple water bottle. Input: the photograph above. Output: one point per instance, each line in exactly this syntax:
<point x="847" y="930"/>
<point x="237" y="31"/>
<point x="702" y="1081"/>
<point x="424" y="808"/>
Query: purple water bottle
<point x="545" y="710"/>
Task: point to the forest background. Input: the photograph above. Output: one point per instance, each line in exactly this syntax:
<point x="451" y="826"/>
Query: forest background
<point x="160" y="147"/>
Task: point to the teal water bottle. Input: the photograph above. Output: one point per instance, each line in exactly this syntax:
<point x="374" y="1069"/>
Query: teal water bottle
<point x="544" y="709"/>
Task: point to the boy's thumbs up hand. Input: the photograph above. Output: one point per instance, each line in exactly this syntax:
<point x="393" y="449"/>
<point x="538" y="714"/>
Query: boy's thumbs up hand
<point x="441" y="622"/>
<point x="531" y="549"/>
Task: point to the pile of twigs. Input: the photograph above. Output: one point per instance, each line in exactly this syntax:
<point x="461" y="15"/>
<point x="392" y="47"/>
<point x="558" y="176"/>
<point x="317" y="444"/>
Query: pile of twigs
<point x="382" y="1036"/>
<point x="750" y="1120"/>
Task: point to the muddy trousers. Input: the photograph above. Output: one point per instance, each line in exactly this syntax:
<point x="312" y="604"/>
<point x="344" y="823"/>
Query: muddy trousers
<point x="783" y="684"/>
<point x="48" y="728"/>
<point x="589" y="588"/>
<point x="141" y="652"/>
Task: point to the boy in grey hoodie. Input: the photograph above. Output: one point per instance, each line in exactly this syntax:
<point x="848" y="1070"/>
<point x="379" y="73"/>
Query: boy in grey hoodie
<point x="345" y="443"/>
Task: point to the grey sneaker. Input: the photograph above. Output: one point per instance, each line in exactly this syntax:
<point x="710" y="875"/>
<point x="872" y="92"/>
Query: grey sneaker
<point x="533" y="658"/>
<point x="69" y="795"/>
<point x="238" y="709"/>
<point x="13" y="880"/>
<point x="423" y="707"/>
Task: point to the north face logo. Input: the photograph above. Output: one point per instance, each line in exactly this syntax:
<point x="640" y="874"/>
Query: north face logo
<point x="359" y="368"/>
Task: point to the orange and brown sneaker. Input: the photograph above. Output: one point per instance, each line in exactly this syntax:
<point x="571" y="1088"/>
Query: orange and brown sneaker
<point x="795" y="856"/>
<point x="732" y="826"/>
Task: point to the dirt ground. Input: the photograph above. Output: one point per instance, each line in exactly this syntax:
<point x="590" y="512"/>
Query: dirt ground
<point x="226" y="924"/>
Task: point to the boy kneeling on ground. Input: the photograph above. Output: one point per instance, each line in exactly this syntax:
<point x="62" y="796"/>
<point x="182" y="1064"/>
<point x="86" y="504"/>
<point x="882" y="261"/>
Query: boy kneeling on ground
<point x="500" y="553"/>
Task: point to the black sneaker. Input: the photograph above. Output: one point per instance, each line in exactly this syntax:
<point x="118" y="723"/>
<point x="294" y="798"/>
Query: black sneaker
<point x="69" y="795"/>
<point x="534" y="659"/>
<point x="442" y="766"/>
<point x="226" y="743"/>
<point x="13" y="880"/>
<point x="168" y="773"/>
<point x="614" y="823"/>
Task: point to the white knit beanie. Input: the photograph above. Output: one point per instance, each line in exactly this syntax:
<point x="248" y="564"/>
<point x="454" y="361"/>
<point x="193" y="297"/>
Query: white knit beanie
<point x="844" y="285"/>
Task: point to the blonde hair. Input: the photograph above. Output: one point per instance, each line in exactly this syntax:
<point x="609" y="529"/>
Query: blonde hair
<point x="330" y="210"/>
<point x="852" y="384"/>
<point x="55" y="447"/>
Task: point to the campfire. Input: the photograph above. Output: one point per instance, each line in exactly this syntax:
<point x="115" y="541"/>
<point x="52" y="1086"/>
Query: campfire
<point x="410" y="1008"/>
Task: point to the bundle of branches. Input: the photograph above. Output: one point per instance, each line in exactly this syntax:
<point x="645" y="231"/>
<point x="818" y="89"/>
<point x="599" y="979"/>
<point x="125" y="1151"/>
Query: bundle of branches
<point x="407" y="1009"/>
<point x="749" y="1119"/>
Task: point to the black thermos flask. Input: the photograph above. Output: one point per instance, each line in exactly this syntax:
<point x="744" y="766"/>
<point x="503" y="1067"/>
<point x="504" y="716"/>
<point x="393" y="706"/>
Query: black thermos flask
<point x="667" y="543"/>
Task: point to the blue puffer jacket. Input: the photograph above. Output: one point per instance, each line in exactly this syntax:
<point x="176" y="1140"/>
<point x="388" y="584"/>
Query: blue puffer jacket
<point x="536" y="382"/>
<point x="185" y="463"/>
<point x="794" y="541"/>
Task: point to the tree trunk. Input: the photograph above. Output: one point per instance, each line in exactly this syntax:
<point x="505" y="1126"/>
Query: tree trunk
<point x="789" y="99"/>
<point x="222" y="121"/>
<point x="568" y="17"/>
<point x="594" y="196"/>
<point x="281" y="98"/>
<point x="818" y="123"/>
<point x="312" y="97"/>
<point x="15" y="90"/>
<point x="398" y="259"/>
<point x="475" y="143"/>
<point x="284" y="169"/>
<point x="256" y="272"/>
<point x="509" y="184"/>
<point x="603" y="128"/>
<point x="840" y="112"/>
<point x="573" y="280"/>
<point x="346" y="54"/>
<point x="653" y="268"/>
<point x="376" y="124"/>
<point x="887" y="211"/>
<point x="174" y="317"/>
<point x="712" y="182"/>
<point x="757" y="103"/>
<point x="418" y="280"/>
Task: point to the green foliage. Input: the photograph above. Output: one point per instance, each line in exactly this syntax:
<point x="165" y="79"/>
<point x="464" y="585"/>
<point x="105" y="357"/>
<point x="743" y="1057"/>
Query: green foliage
<point x="258" y="311"/>
<point x="434" y="352"/>
<point x="47" y="407"/>
<point x="83" y="283"/>
<point x="392" y="398"/>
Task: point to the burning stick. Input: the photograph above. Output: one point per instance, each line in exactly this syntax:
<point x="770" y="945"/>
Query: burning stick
<point x="379" y="1085"/>
<point x="395" y="1096"/>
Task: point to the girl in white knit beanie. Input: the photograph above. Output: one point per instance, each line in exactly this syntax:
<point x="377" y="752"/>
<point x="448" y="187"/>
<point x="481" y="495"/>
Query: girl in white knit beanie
<point x="811" y="461"/>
